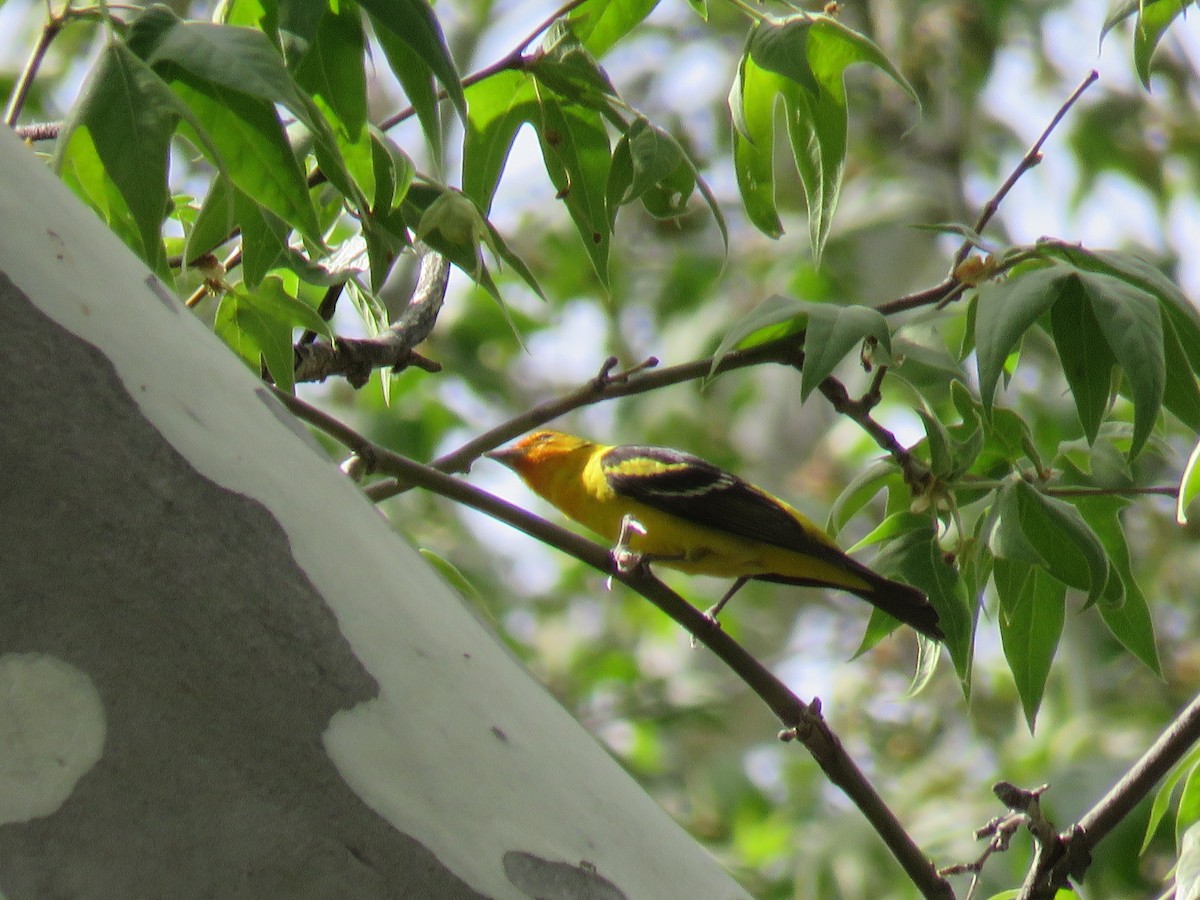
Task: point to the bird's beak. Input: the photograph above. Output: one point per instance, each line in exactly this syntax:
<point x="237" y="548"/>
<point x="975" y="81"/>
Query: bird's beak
<point x="506" y="456"/>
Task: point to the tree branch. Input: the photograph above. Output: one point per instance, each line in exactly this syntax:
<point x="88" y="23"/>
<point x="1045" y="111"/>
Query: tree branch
<point x="801" y="721"/>
<point x="1068" y="856"/>
<point x="357" y="358"/>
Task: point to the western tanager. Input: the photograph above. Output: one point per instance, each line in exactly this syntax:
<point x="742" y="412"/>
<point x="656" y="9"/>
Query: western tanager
<point x="700" y="519"/>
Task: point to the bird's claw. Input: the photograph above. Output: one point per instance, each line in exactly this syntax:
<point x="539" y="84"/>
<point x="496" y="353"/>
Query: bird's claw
<point x="626" y="559"/>
<point x="710" y="615"/>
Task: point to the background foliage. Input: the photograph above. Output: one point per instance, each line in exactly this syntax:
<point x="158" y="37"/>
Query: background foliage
<point x="678" y="179"/>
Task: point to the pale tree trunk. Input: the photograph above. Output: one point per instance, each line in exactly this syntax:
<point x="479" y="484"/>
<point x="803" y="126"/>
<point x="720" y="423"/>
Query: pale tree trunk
<point x="221" y="673"/>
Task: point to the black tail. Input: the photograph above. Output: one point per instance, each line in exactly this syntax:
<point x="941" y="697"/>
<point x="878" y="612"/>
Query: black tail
<point x="900" y="601"/>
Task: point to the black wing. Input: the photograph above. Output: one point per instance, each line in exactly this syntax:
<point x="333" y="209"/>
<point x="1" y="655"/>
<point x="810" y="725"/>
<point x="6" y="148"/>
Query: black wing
<point x="695" y="490"/>
<point x="691" y="488"/>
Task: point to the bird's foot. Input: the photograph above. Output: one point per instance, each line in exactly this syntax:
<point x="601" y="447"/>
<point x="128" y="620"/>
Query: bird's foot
<point x="626" y="559"/>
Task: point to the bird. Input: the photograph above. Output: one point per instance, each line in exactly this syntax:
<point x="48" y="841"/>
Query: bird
<point x="672" y="508"/>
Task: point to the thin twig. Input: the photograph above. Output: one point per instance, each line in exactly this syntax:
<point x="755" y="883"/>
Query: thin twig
<point x="801" y="721"/>
<point x="916" y="475"/>
<point x="1032" y="157"/>
<point x="20" y="93"/>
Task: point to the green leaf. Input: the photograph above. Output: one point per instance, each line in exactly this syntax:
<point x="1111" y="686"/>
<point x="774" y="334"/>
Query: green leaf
<point x="1029" y="630"/>
<point x="1187" y="868"/>
<point x="417" y="80"/>
<point x="1187" y="814"/>
<point x="1162" y="799"/>
<point x="1122" y="10"/>
<point x="243" y="60"/>
<point x="809" y="54"/>
<point x="268" y="317"/>
<point x="1180" y="394"/>
<point x="413" y="22"/>
<point x="1010" y="577"/>
<point x="653" y="156"/>
<point x="1189" y="486"/>
<point x="894" y="526"/>
<point x="752" y="106"/>
<point x="941" y="454"/>
<point x="298" y="24"/>
<point x="566" y="67"/>
<point x="497" y="107"/>
<point x="1084" y="353"/>
<point x="452" y="219"/>
<point x="1126" y="614"/>
<point x="124" y="121"/>
<point x="1049" y="533"/>
<point x="258" y="158"/>
<point x="394" y="173"/>
<point x="1007" y="539"/>
<point x="148" y="28"/>
<point x="215" y="222"/>
<point x="782" y="47"/>
<point x="384" y="228"/>
<point x="260" y="322"/>
<point x="1139" y="273"/>
<point x="332" y="73"/>
<point x="929" y="654"/>
<point x="274" y="297"/>
<point x="1122" y="290"/>
<point x="576" y="152"/>
<point x="1153" y="19"/>
<point x="772" y="318"/>
<point x="649" y="165"/>
<point x="860" y="491"/>
<point x="264" y="238"/>
<point x="832" y="332"/>
<point x="916" y="558"/>
<point x="1132" y="323"/>
<point x="1005" y="312"/>
<point x="453" y="226"/>
<point x="260" y="14"/>
<point x="601" y="23"/>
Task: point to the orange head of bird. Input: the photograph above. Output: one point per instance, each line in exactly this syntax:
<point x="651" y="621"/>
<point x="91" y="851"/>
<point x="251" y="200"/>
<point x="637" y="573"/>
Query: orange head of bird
<point x="541" y="451"/>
